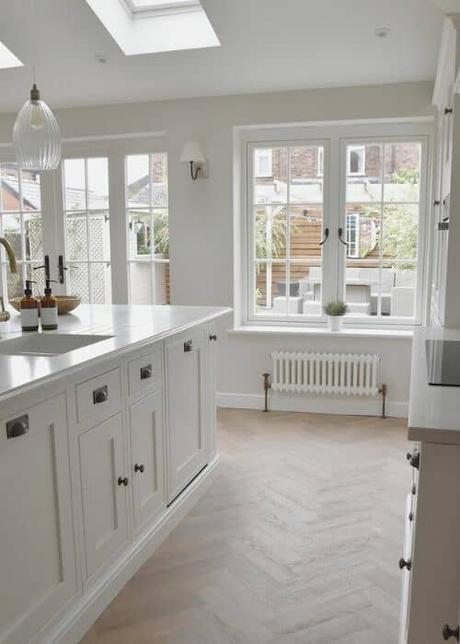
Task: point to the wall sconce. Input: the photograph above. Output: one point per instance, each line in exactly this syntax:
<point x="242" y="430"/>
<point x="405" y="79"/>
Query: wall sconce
<point x="193" y="154"/>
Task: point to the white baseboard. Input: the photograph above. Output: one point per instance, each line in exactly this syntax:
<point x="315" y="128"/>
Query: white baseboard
<point x="348" y="406"/>
<point x="85" y="609"/>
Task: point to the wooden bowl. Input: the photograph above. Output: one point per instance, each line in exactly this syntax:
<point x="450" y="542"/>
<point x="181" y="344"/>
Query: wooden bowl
<point x="65" y="303"/>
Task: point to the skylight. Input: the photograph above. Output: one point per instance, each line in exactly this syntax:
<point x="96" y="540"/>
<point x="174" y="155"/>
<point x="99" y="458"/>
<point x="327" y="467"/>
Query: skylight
<point x="159" y="5"/>
<point x="166" y="25"/>
<point x="7" y="58"/>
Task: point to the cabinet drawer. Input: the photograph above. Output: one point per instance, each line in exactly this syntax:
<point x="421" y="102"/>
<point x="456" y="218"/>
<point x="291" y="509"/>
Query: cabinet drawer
<point x="99" y="397"/>
<point x="144" y="373"/>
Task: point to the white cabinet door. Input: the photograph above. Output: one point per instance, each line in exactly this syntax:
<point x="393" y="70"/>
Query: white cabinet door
<point x="146" y="428"/>
<point x="37" y="558"/>
<point x="186" y="445"/>
<point x="103" y="484"/>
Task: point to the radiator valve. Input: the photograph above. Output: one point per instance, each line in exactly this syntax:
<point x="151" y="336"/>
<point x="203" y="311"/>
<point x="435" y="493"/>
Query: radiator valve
<point x="267" y="386"/>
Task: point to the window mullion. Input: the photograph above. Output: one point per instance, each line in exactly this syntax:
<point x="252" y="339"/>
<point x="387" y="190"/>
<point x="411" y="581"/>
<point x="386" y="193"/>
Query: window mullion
<point x="334" y="191"/>
<point x="287" y="291"/>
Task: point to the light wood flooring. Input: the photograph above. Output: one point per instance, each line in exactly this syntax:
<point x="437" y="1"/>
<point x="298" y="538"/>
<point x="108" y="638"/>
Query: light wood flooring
<point x="297" y="542"/>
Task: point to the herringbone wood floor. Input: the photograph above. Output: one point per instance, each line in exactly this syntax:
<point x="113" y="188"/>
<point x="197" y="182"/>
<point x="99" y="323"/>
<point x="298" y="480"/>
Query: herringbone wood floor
<point x="297" y="542"/>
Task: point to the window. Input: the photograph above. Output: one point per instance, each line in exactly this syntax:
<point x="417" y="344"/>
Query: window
<point x="356" y="157"/>
<point x="139" y="6"/>
<point x="263" y="163"/>
<point x="87" y="233"/>
<point x="309" y="237"/>
<point x="151" y="26"/>
<point x="287" y="216"/>
<point x="381" y="264"/>
<point x="21" y="225"/>
<point x="148" y="228"/>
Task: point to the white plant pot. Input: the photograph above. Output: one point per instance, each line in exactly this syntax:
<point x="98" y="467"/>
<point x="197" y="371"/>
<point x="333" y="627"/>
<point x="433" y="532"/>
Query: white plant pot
<point x="335" y="322"/>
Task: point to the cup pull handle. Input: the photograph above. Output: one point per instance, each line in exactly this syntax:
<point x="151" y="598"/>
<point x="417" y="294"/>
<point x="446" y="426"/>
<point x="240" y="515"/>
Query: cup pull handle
<point x="17" y="427"/>
<point x="100" y="395"/>
<point x="146" y="372"/>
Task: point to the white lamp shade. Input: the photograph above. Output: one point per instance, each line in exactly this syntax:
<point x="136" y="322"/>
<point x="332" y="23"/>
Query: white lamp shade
<point x="192" y="152"/>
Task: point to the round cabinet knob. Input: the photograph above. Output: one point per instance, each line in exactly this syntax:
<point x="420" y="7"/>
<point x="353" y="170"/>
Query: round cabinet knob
<point x="405" y="564"/>
<point x="447" y="633"/>
<point x="411" y="516"/>
<point x="213" y="338"/>
<point x="139" y="468"/>
<point x="122" y="481"/>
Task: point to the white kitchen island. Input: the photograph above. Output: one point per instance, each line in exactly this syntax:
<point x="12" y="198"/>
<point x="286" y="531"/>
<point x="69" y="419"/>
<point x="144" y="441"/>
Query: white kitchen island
<point x="431" y="558"/>
<point x="103" y="450"/>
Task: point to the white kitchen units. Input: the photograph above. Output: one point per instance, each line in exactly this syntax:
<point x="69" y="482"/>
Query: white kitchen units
<point x="430" y="560"/>
<point x="103" y="449"/>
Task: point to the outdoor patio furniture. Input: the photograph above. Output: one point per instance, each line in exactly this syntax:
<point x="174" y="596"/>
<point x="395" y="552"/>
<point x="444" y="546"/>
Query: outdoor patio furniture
<point x="280" y="304"/>
<point x="402" y="301"/>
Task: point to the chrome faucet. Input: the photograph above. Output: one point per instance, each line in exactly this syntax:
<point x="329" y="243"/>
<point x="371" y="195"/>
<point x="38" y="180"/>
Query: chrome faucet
<point x="4" y="315"/>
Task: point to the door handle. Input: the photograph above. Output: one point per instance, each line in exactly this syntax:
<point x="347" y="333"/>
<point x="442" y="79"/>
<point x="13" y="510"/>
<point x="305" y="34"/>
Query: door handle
<point x="448" y="632"/>
<point x="326" y="237"/>
<point x="341" y="239"/>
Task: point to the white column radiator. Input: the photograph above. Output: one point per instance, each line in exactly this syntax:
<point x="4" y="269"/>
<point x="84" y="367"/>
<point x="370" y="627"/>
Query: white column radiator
<point x="325" y="373"/>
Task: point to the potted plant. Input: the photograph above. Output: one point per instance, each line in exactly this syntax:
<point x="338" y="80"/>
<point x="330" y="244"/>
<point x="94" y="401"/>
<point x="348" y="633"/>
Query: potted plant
<point x="335" y="311"/>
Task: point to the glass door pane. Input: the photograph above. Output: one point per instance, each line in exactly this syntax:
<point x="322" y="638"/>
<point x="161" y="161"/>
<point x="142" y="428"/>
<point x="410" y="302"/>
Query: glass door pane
<point x="146" y="188"/>
<point x="87" y="229"/>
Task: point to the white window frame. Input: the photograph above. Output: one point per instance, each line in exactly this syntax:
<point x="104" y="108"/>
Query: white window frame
<point x="334" y="137"/>
<point x="361" y="149"/>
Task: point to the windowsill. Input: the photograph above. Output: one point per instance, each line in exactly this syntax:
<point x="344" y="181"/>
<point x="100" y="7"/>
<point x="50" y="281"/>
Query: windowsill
<point x="348" y="332"/>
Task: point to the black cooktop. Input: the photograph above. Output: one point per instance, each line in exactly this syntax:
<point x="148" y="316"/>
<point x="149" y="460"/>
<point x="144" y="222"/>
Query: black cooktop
<point x="443" y="358"/>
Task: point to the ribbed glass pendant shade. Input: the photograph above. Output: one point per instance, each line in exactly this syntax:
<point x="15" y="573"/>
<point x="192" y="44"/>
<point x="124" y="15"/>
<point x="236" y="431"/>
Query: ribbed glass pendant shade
<point x="36" y="135"/>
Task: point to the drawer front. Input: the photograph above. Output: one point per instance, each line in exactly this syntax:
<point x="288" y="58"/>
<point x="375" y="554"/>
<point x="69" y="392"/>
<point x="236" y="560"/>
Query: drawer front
<point x="99" y="397"/>
<point x="144" y="373"/>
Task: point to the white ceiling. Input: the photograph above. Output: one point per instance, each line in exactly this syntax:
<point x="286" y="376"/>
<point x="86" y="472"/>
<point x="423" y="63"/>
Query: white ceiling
<point x="267" y="45"/>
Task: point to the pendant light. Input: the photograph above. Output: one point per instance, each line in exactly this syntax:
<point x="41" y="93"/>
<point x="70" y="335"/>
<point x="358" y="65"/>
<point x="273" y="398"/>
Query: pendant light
<point x="36" y="134"/>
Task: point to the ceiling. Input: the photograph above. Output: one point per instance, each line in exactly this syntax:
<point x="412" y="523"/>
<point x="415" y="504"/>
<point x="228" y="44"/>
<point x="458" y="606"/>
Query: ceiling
<point x="267" y="45"/>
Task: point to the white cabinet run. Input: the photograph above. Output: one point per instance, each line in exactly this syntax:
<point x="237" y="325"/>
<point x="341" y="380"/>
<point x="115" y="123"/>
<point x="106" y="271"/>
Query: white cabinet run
<point x="431" y="559"/>
<point x="92" y="479"/>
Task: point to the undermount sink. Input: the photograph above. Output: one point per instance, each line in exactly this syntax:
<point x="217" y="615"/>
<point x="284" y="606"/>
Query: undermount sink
<point x="48" y="344"/>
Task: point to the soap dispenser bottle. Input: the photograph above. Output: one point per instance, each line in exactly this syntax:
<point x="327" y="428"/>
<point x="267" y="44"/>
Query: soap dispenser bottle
<point x="48" y="309"/>
<point x="29" y="309"/>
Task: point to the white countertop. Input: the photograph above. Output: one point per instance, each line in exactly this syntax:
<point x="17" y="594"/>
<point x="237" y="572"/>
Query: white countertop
<point x="130" y="326"/>
<point x="434" y="411"/>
